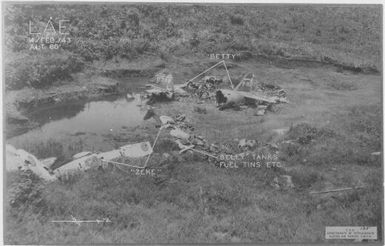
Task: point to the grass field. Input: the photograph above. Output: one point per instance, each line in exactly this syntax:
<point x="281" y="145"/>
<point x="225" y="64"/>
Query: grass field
<point x="194" y="201"/>
<point x="347" y="35"/>
<point x="335" y="113"/>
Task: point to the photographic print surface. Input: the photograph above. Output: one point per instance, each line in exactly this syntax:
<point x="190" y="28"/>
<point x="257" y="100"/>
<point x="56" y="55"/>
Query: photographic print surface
<point x="192" y="123"/>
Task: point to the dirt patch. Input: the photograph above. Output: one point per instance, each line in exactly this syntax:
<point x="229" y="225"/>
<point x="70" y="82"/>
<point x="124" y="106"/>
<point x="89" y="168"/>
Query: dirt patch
<point x="145" y="66"/>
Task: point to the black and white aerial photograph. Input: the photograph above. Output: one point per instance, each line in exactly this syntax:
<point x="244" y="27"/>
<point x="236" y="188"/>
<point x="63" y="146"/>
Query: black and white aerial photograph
<point x="192" y="123"/>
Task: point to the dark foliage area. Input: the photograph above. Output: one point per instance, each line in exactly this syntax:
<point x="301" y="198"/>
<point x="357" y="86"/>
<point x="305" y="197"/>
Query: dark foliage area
<point x="41" y="71"/>
<point x="345" y="35"/>
<point x="324" y="146"/>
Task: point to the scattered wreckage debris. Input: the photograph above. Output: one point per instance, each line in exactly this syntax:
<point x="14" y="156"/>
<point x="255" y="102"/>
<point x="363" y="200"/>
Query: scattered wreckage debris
<point x="179" y="129"/>
<point x="217" y="64"/>
<point x="205" y="87"/>
<point x="261" y="109"/>
<point x="248" y="81"/>
<point x="283" y="182"/>
<point x="163" y="94"/>
<point x="157" y="94"/>
<point x="229" y="98"/>
<point x="273" y="91"/>
<point x="164" y="88"/>
<point x="250" y="92"/>
<point x="182" y="133"/>
<point x="245" y="144"/>
<point x="250" y="84"/>
<point x="163" y="77"/>
<point x="186" y="140"/>
<point x="164" y="120"/>
<point x="18" y="159"/>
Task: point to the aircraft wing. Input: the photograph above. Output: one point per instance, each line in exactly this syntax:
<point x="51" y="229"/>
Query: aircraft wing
<point x="154" y="89"/>
<point x="178" y="88"/>
<point x="48" y="162"/>
<point x="257" y="96"/>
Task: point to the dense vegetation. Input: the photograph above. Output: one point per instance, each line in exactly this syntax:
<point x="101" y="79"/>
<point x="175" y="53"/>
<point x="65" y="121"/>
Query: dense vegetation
<point x="323" y="146"/>
<point x="41" y="71"/>
<point x="346" y="35"/>
<point x="193" y="200"/>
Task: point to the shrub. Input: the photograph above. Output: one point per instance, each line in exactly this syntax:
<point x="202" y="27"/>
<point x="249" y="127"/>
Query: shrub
<point x="236" y="19"/>
<point x="200" y="110"/>
<point x="40" y="70"/>
<point x="25" y="192"/>
<point x="305" y="133"/>
<point x="359" y="134"/>
<point x="313" y="145"/>
<point x="304" y="179"/>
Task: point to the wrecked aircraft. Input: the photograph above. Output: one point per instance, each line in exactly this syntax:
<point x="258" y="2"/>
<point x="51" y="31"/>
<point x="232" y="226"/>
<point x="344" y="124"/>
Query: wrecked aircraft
<point x="250" y="91"/>
<point x="247" y="83"/>
<point x="157" y="94"/>
<point x="163" y="77"/>
<point x="185" y="140"/>
<point x="18" y="159"/>
<point x="88" y="160"/>
<point x="160" y="120"/>
<point x="229" y="98"/>
<point x="80" y="164"/>
<point x="205" y="88"/>
<point x="166" y="93"/>
<point x="163" y="89"/>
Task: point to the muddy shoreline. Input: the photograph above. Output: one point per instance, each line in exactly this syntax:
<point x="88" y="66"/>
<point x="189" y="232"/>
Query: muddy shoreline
<point x="27" y="100"/>
<point x="18" y="122"/>
<point x="24" y="103"/>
